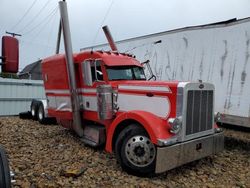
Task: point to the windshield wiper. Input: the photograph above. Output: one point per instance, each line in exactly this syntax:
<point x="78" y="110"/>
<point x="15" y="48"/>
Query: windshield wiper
<point x="140" y="79"/>
<point x="120" y="79"/>
<point x="128" y="79"/>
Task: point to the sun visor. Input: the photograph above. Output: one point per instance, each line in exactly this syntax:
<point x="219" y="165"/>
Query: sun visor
<point x="10" y="52"/>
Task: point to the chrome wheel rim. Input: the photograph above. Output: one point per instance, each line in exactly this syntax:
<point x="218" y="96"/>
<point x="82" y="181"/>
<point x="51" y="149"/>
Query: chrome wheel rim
<point x="140" y="151"/>
<point x="33" y="111"/>
<point x="40" y="114"/>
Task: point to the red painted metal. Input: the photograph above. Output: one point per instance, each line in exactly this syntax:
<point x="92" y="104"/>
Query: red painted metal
<point x="55" y="78"/>
<point x="10" y="52"/>
<point x="156" y="127"/>
<point x="55" y="73"/>
<point x="109" y="58"/>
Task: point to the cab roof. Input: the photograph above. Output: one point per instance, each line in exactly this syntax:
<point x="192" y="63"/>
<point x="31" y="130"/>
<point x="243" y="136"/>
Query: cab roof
<point x="109" y="58"/>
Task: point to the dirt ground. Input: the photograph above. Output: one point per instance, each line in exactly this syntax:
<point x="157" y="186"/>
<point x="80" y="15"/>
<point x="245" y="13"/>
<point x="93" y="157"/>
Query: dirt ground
<point x="39" y="153"/>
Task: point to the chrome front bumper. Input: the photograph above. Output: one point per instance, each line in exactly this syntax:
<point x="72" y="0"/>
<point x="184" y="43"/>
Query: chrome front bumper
<point x="176" y="155"/>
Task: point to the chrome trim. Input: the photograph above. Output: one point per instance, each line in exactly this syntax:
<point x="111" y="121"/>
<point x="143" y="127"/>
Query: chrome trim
<point x="167" y="142"/>
<point x="140" y="151"/>
<point x="145" y="88"/>
<point x="180" y="106"/>
<point x="176" y="155"/>
<point x="105" y="102"/>
<point x="57" y="91"/>
<point x="45" y="107"/>
<point x="182" y="96"/>
<point x="86" y="69"/>
<point x="175" y="124"/>
<point x="77" y="123"/>
<point x="86" y="90"/>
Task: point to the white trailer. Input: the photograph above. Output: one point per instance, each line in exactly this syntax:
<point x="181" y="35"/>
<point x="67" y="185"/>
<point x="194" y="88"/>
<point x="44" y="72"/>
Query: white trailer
<point x="19" y="96"/>
<point x="217" y="53"/>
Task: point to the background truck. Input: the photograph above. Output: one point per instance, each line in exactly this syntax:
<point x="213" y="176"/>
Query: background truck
<point x="217" y="53"/>
<point x="105" y="97"/>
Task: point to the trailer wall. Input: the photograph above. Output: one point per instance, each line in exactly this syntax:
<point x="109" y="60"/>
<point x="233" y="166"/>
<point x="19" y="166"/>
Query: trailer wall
<point x="217" y="53"/>
<point x="16" y="95"/>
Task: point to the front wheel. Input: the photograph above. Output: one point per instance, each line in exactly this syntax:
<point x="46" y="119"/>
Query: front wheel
<point x="135" y="151"/>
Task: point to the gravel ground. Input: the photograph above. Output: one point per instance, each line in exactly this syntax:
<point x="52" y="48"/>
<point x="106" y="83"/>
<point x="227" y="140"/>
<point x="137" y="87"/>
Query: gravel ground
<point x="37" y="155"/>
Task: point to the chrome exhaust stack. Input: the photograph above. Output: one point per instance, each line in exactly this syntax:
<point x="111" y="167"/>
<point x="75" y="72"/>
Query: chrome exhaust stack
<point x="77" y="125"/>
<point x="109" y="38"/>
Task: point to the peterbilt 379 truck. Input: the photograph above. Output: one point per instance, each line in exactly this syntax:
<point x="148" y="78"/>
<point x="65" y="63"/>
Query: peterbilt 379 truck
<point x="105" y="97"/>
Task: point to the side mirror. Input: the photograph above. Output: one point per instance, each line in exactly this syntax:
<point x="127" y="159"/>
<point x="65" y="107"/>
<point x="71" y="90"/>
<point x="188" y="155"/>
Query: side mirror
<point x="86" y="69"/>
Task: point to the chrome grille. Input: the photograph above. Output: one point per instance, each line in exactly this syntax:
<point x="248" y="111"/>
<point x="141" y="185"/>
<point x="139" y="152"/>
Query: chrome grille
<point x="199" y="111"/>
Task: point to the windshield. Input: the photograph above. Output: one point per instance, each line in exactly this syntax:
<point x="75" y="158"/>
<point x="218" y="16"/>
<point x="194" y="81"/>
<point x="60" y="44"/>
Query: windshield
<point x="126" y="73"/>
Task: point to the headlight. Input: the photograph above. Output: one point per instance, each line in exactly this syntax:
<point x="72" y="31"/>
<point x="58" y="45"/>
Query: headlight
<point x="175" y="124"/>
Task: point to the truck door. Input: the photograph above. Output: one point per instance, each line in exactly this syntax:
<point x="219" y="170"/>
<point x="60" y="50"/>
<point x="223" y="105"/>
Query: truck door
<point x="92" y="76"/>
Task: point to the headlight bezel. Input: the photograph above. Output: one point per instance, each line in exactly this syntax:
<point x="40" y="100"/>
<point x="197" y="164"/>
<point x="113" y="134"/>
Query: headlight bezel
<point x="175" y="125"/>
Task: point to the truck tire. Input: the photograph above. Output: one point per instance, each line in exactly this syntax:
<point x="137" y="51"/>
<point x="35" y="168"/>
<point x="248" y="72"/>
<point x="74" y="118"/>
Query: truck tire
<point x="135" y="151"/>
<point x="41" y="115"/>
<point x="34" y="109"/>
<point x="4" y="170"/>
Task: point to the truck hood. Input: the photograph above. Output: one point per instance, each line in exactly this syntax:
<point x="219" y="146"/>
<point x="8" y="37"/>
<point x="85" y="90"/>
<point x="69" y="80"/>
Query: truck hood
<point x="158" y="98"/>
<point x="146" y="85"/>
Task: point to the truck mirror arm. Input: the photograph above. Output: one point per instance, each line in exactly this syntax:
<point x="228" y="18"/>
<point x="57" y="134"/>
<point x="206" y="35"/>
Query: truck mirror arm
<point x="152" y="77"/>
<point x="149" y="69"/>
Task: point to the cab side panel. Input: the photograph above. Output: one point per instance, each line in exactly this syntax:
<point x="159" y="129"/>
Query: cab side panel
<point x="56" y="85"/>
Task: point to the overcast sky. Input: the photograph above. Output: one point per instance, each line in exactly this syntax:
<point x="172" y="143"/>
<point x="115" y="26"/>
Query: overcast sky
<point x="125" y="18"/>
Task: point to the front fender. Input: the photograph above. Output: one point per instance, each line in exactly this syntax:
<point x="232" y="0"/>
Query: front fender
<point x="156" y="127"/>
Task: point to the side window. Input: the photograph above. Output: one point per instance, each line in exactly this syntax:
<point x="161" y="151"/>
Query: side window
<point x="96" y="71"/>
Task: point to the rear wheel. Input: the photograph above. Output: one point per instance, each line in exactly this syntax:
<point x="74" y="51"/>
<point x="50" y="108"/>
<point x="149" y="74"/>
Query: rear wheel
<point x="4" y="170"/>
<point x="135" y="151"/>
<point x="33" y="110"/>
<point x="41" y="114"/>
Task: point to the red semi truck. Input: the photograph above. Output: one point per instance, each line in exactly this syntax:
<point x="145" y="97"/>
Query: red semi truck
<point x="107" y="100"/>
